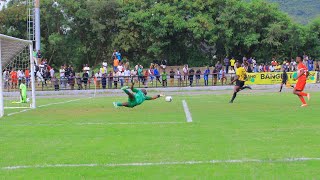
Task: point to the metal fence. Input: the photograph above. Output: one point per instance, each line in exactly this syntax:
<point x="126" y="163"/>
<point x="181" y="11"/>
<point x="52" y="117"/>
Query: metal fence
<point x="107" y="82"/>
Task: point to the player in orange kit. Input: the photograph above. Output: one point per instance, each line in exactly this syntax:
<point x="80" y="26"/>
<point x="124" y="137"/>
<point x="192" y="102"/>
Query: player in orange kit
<point x="302" y="76"/>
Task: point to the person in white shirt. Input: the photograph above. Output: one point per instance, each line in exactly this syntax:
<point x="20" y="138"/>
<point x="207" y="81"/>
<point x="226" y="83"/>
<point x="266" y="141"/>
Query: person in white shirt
<point x="121" y="78"/>
<point x="51" y="73"/>
<point x="178" y="73"/>
<point x="20" y="76"/>
<point x="62" y="72"/>
<point x="185" y="72"/>
<point x="98" y="76"/>
<point x="127" y="75"/>
<point x="134" y="77"/>
<point x="120" y="67"/>
<point x="272" y="68"/>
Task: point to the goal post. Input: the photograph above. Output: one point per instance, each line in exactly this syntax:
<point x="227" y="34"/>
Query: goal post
<point x="17" y="66"/>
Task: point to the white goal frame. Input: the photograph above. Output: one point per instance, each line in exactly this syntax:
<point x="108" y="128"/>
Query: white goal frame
<point x="5" y="59"/>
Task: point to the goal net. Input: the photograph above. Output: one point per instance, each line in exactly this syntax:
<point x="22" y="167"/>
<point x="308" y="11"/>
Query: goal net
<point x="17" y="89"/>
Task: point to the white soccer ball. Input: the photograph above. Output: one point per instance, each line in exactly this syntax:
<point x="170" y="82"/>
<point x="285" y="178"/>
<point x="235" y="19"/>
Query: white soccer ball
<point x="28" y="100"/>
<point x="168" y="98"/>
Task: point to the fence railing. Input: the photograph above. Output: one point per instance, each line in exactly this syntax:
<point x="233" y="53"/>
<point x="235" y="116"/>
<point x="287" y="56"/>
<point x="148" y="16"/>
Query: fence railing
<point x="116" y="82"/>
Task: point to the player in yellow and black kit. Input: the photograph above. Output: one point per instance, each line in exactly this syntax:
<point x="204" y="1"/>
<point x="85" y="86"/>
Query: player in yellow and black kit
<point x="240" y="79"/>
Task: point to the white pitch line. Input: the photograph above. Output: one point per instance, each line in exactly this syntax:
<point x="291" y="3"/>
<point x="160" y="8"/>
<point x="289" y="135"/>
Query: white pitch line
<point x="186" y="111"/>
<point x="99" y="124"/>
<point x="130" y="123"/>
<point x="234" y="161"/>
<point x="64" y="102"/>
<point x="10" y="114"/>
<point x="45" y="105"/>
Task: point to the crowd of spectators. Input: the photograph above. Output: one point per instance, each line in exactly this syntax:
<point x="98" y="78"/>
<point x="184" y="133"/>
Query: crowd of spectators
<point x="157" y="74"/>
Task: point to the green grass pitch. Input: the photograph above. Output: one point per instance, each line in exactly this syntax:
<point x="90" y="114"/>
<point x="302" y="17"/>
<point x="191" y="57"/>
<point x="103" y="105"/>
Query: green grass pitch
<point x="92" y="134"/>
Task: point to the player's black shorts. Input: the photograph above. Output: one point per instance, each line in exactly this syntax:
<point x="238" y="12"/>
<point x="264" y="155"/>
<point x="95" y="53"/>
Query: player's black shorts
<point x="239" y="83"/>
<point x="284" y="82"/>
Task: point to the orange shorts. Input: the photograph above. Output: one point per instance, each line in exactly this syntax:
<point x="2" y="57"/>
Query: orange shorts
<point x="300" y="85"/>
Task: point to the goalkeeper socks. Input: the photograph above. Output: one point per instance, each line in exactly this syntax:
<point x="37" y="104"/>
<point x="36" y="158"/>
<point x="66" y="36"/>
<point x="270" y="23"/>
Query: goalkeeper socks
<point x="119" y="104"/>
<point x="303" y="94"/>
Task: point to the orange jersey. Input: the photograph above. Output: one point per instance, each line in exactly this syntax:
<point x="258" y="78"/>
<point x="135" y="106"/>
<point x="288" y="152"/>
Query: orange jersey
<point x="14" y="75"/>
<point x="115" y="62"/>
<point x="302" y="67"/>
<point x="26" y="72"/>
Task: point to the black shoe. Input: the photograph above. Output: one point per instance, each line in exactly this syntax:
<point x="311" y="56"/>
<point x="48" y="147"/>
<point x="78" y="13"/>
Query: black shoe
<point x="231" y="102"/>
<point x="249" y="87"/>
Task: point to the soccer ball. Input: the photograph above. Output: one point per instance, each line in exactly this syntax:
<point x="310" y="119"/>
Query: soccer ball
<point x="168" y="98"/>
<point x="28" y="100"/>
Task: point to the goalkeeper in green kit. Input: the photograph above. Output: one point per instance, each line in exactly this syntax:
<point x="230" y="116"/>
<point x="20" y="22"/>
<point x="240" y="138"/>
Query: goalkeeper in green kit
<point x="135" y="99"/>
<point x="23" y="91"/>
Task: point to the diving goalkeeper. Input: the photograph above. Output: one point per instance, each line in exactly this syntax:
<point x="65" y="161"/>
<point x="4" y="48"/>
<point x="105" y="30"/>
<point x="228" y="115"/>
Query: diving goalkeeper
<point x="135" y="99"/>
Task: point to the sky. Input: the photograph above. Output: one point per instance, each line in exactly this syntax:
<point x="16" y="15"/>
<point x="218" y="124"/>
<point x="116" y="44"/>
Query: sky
<point x="2" y="3"/>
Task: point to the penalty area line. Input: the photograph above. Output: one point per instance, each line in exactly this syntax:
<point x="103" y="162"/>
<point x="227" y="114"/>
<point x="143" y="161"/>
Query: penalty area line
<point x="234" y="161"/>
<point x="45" y="105"/>
<point x="186" y="111"/>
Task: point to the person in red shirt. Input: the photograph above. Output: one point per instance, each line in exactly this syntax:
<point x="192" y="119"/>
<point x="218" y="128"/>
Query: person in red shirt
<point x="14" y="78"/>
<point x="27" y="74"/>
<point x="302" y="76"/>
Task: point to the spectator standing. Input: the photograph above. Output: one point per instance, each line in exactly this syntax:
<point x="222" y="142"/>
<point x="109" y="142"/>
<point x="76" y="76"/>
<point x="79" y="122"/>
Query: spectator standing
<point x="140" y="74"/>
<point x="179" y="77"/>
<point x="39" y="57"/>
<point x="104" y="68"/>
<point x="110" y="79"/>
<point x="118" y="55"/>
<point x="164" y="64"/>
<point x="206" y="76"/>
<point x="51" y="73"/>
<point x="218" y="66"/>
<point x="121" y="78"/>
<point x="157" y="74"/>
<point x="222" y="75"/>
<point x="115" y="63"/>
<point x="164" y="78"/>
<point x="215" y="76"/>
<point x="5" y="76"/>
<point x="310" y="64"/>
<point x="151" y="72"/>
<point x="115" y="79"/>
<point x="98" y="77"/>
<point x="126" y="75"/>
<point x="226" y="63"/>
<point x="272" y="68"/>
<point x="14" y="78"/>
<point x="191" y="75"/>
<point x="232" y="62"/>
<point x="120" y="67"/>
<point x="260" y="69"/>
<point x="20" y="76"/>
<point x="55" y="83"/>
<point x="71" y="81"/>
<point x="198" y="75"/>
<point x="134" y="77"/>
<point x="104" y="81"/>
<point x="79" y="81"/>
<point x="85" y="78"/>
<point x="171" y="74"/>
<point x="146" y="75"/>
<point x="185" y="72"/>
<point x="62" y="73"/>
